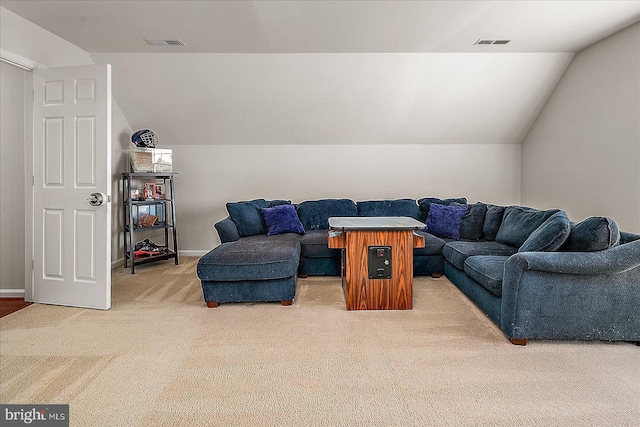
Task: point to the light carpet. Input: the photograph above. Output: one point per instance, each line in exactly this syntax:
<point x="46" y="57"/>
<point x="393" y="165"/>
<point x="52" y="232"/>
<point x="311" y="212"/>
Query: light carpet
<point x="159" y="357"/>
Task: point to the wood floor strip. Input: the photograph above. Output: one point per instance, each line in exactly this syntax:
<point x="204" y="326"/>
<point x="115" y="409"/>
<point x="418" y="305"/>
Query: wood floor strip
<point x="11" y="305"/>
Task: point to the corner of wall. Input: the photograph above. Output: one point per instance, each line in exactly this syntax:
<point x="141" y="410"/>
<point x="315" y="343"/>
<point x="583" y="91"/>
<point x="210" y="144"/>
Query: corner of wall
<point x="586" y="140"/>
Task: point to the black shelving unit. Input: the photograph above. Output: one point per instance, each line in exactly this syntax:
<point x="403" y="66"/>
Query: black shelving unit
<point x="166" y="209"/>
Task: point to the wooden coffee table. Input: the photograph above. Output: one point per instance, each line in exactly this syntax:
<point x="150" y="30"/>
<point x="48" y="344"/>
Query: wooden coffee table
<point x="377" y="260"/>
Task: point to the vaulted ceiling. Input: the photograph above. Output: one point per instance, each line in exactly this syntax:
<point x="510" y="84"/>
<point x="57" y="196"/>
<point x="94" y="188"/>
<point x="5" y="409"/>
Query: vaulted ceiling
<point x="329" y="26"/>
<point x="332" y="72"/>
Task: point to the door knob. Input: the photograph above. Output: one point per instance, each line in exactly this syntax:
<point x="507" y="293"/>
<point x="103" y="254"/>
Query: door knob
<point x="96" y="199"/>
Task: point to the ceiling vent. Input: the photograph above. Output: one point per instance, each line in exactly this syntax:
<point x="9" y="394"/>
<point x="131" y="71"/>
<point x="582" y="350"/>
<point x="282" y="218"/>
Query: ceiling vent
<point x="165" y="42"/>
<point x="485" y="41"/>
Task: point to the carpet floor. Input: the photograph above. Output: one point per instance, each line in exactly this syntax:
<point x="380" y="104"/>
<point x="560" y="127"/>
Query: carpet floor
<point x="159" y="357"/>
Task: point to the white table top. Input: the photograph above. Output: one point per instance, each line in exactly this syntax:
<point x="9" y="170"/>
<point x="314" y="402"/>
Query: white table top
<point x="375" y="223"/>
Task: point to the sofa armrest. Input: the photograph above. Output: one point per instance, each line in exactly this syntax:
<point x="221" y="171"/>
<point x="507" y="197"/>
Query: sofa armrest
<point x="610" y="261"/>
<point x="227" y="230"/>
<point x="570" y="295"/>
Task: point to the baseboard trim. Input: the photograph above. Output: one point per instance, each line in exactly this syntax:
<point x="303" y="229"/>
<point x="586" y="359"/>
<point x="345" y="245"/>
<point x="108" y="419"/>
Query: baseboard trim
<point x="11" y="293"/>
<point x="120" y="261"/>
<point x="117" y="263"/>
<point x="192" y="253"/>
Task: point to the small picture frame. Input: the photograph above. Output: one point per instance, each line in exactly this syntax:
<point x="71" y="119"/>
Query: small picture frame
<point x="159" y="191"/>
<point x="135" y="194"/>
<point x="149" y="190"/>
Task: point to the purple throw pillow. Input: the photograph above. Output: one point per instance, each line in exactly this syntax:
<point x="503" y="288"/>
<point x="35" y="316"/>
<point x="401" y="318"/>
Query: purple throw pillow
<point x="444" y="221"/>
<point x="282" y="219"/>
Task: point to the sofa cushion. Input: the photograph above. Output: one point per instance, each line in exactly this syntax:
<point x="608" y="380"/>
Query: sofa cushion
<point x="432" y="245"/>
<point x="278" y="202"/>
<point x="425" y="203"/>
<point x="281" y="219"/>
<point x="444" y="221"/>
<point x="492" y="221"/>
<point x="314" y="244"/>
<point x="227" y="230"/>
<point x="247" y="217"/>
<point x="549" y="236"/>
<point x="487" y="270"/>
<point x="519" y="222"/>
<point x="596" y="233"/>
<point x="252" y="258"/>
<point x="473" y="222"/>
<point x="397" y="207"/>
<point x="315" y="214"/>
<point x="458" y="252"/>
<point x="628" y="237"/>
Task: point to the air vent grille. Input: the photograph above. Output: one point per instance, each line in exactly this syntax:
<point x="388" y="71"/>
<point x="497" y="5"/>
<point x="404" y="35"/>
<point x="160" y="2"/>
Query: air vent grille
<point x="486" y="41"/>
<point x="177" y="42"/>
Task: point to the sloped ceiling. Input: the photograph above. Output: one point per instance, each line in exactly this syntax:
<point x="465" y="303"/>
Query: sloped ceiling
<point x="332" y="72"/>
<point x="334" y="98"/>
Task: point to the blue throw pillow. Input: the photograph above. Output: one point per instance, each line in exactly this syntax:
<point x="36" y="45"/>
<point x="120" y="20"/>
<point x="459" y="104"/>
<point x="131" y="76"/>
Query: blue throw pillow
<point x="246" y="215"/>
<point x="444" y="221"/>
<point x="282" y="219"/>
<point x="426" y="202"/>
<point x="549" y="236"/>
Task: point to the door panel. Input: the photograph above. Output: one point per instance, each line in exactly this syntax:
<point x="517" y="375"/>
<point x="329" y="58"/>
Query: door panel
<point x="54" y="152"/>
<point x="85" y="159"/>
<point x="53" y="247"/>
<point x="72" y="160"/>
<point x="85" y="235"/>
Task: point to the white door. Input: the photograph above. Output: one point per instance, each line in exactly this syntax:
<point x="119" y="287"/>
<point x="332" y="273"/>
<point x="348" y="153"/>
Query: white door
<point x="72" y="161"/>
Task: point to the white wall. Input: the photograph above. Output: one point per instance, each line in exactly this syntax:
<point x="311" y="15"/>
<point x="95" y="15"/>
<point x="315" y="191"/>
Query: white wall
<point x="120" y="143"/>
<point x="210" y="176"/>
<point x="12" y="165"/>
<point x="36" y="45"/>
<point x="583" y="152"/>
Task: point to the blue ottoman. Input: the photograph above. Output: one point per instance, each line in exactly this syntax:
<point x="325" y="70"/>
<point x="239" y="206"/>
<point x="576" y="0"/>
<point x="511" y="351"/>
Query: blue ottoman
<point x="254" y="268"/>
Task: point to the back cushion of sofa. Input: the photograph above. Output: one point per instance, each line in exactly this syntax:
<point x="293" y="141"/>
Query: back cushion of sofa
<point x="549" y="236"/>
<point x="596" y="233"/>
<point x="628" y="237"/>
<point x="227" y="230"/>
<point x="492" y="221"/>
<point x="247" y="217"/>
<point x="397" y="207"/>
<point x="473" y="222"/>
<point x="519" y="222"/>
<point x="315" y="214"/>
<point x="425" y="203"/>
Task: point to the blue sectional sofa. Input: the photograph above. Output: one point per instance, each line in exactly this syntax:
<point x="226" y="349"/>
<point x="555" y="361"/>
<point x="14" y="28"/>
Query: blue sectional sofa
<point x="534" y="273"/>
